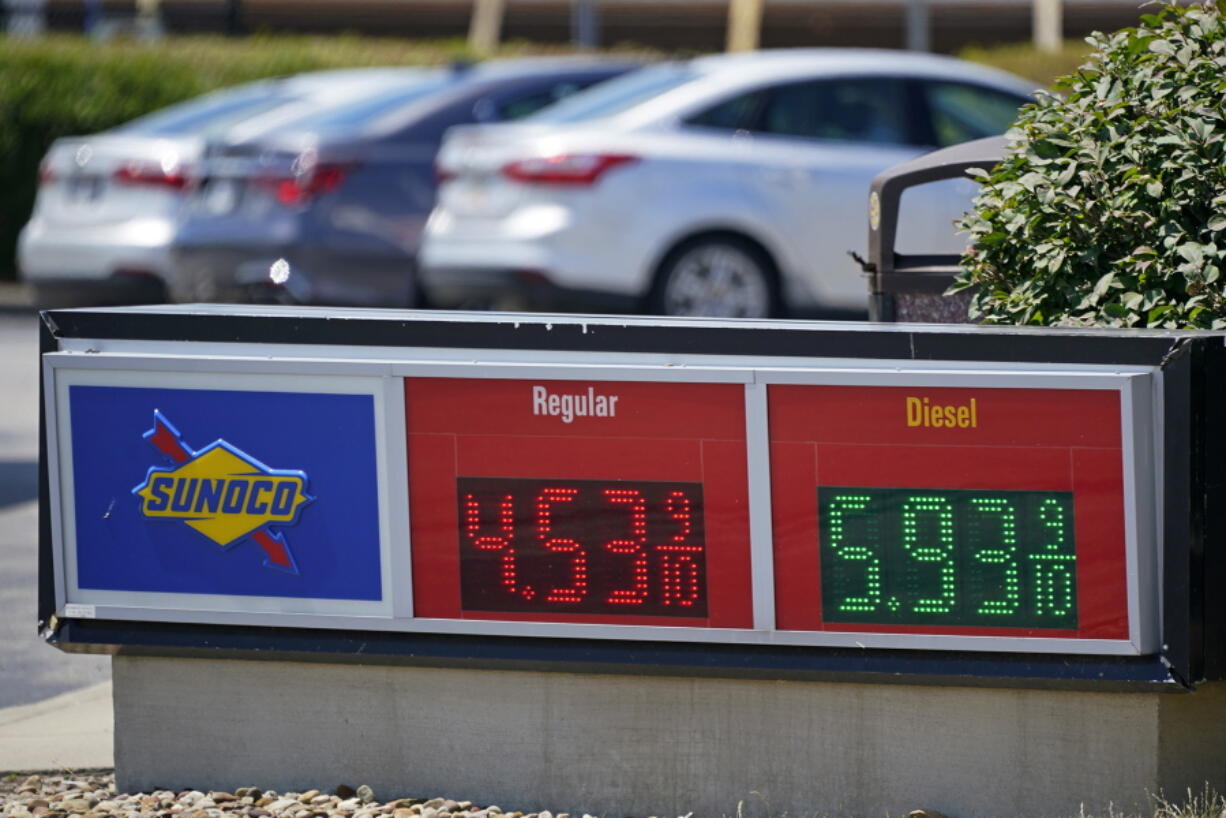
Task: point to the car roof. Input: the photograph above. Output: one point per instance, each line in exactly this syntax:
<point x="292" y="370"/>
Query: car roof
<point x="670" y="89"/>
<point x="235" y="104"/>
<point x="484" y="76"/>
<point x="313" y="80"/>
<point x="547" y="65"/>
<point x="454" y="85"/>
<point x="781" y="63"/>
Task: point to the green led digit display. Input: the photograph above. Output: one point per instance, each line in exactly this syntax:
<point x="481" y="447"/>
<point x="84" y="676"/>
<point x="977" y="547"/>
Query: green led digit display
<point x="1004" y="559"/>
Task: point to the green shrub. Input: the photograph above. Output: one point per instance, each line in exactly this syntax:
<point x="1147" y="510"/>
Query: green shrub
<point x="52" y="93"/>
<point x="1110" y="208"/>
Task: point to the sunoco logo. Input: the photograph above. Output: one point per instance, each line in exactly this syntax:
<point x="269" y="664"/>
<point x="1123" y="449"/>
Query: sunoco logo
<point x="223" y="493"/>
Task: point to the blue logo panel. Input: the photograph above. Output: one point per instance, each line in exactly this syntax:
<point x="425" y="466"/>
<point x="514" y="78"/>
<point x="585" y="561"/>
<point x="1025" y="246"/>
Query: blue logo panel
<point x="226" y="492"/>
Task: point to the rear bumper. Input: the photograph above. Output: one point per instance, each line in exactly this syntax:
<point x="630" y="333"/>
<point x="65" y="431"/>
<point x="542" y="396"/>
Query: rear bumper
<point x="560" y="261"/>
<point x="53" y="253"/>
<point x="561" y="272"/>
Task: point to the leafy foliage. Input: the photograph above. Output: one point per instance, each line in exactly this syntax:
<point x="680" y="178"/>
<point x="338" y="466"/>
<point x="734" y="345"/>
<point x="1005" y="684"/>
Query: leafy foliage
<point x="1110" y="208"/>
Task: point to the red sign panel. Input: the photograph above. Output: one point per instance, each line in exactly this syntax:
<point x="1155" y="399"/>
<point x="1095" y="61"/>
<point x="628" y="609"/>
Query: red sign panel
<point x="964" y="511"/>
<point x="579" y="501"/>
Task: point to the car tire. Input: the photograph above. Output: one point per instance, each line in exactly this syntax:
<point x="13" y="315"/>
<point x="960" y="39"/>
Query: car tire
<point x="717" y="276"/>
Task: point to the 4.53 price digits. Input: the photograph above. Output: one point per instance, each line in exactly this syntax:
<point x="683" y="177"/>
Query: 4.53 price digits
<point x="948" y="557"/>
<point x="582" y="546"/>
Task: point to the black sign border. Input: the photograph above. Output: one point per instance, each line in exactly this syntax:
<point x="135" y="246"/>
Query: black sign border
<point x="1193" y="368"/>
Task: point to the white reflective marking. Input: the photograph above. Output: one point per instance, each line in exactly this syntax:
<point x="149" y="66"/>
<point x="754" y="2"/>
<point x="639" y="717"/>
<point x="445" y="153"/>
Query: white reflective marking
<point x="278" y="273"/>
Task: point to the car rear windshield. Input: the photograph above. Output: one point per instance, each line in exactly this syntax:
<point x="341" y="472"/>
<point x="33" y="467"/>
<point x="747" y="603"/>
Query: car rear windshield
<point x="353" y="116"/>
<point x="617" y="95"/>
<point x="212" y="112"/>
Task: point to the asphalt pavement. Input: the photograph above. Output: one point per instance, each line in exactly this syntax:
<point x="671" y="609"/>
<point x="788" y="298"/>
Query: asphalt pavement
<point x="55" y="707"/>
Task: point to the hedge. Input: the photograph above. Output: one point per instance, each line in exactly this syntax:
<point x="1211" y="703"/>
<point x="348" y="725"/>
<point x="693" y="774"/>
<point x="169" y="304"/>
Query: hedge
<point x="65" y="85"/>
<point x="1110" y="208"/>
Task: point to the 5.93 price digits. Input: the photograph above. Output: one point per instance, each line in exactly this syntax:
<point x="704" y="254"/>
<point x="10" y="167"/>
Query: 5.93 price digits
<point x="948" y="557"/>
<point x="582" y="546"/>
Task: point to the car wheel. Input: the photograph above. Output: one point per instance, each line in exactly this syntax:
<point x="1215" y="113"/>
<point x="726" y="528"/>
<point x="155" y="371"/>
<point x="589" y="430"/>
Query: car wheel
<point x="716" y="276"/>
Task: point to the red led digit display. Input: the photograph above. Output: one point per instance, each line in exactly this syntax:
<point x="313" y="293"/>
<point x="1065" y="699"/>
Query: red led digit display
<point x="579" y="501"/>
<point x="949" y="511"/>
<point x="585" y="546"/>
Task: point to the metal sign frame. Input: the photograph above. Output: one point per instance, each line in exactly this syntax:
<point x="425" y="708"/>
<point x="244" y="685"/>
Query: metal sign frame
<point x="1140" y="375"/>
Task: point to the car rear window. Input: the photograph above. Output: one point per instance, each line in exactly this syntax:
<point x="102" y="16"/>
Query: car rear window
<point x="871" y="109"/>
<point x="356" y="115"/>
<point x="962" y="112"/>
<point x="617" y="95"/>
<point x="211" y="112"/>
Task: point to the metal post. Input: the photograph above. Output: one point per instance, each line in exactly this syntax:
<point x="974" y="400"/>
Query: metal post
<point x="919" y="26"/>
<point x="585" y="23"/>
<point x="26" y="18"/>
<point x="234" y="17"/>
<point x="744" y="24"/>
<point x="1048" y="24"/>
<point x="93" y="16"/>
<point x="149" y="19"/>
<point x="485" y="27"/>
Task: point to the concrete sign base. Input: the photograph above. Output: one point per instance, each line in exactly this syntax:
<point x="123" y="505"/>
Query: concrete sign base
<point x="646" y="745"/>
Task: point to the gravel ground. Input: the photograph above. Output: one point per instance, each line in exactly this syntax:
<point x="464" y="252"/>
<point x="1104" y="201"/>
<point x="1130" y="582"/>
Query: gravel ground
<point x="92" y="795"/>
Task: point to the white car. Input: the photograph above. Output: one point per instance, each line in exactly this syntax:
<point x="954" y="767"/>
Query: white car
<point x="730" y="185"/>
<point x="107" y="204"/>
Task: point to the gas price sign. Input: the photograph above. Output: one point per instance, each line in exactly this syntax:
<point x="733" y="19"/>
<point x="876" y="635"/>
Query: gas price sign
<point x="801" y="507"/>
<point x="948" y="556"/>
<point x="649" y="555"/>
<point x="949" y="511"/>
<point x="579" y="502"/>
<point x="900" y="515"/>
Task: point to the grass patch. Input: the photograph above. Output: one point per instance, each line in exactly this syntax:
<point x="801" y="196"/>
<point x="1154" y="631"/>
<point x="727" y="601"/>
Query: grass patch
<point x="1207" y="803"/>
<point x="215" y="61"/>
<point x="1027" y="61"/>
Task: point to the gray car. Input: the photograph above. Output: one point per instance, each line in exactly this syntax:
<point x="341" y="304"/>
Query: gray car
<point x="108" y="203"/>
<point x="329" y="209"/>
<point x="728" y="185"/>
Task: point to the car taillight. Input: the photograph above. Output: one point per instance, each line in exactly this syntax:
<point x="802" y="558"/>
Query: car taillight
<point x="153" y="175"/>
<point x="298" y="190"/>
<point x="442" y="175"/>
<point x="567" y="169"/>
<point x="46" y="174"/>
